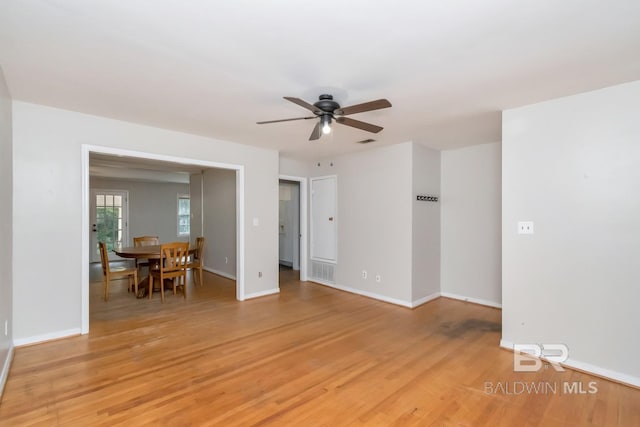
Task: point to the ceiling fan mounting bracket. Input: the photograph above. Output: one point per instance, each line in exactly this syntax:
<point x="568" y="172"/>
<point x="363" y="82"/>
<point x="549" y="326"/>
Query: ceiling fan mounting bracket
<point x="326" y="104"/>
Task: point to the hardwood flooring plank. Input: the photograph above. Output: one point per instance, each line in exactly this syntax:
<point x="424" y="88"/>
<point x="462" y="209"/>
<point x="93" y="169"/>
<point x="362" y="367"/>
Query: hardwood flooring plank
<point x="310" y="355"/>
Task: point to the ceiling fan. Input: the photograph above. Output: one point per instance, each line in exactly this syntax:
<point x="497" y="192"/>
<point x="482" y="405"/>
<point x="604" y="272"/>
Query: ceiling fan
<point x="327" y="110"/>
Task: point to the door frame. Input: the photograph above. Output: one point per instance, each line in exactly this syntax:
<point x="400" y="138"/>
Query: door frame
<point x="240" y="214"/>
<point x="303" y="221"/>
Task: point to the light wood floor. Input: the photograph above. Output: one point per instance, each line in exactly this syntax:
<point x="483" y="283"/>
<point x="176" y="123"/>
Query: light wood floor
<point x="309" y="356"/>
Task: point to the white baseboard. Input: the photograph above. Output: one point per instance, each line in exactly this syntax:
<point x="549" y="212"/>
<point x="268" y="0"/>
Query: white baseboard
<point x="412" y="304"/>
<point x="363" y="293"/>
<point x="425" y="300"/>
<point x="262" y="293"/>
<point x="588" y="368"/>
<point x="46" y="337"/>
<point x="603" y="372"/>
<point x="5" y="370"/>
<point x="470" y="299"/>
<point x="220" y="273"/>
<point x="508" y="345"/>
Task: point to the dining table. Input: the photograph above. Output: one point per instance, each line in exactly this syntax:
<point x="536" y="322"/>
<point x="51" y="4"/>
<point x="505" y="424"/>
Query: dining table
<point x="151" y="253"/>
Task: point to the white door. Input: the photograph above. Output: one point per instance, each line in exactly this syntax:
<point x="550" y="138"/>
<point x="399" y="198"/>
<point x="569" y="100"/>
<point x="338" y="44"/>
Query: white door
<point x="109" y="222"/>
<point x="324" y="222"/>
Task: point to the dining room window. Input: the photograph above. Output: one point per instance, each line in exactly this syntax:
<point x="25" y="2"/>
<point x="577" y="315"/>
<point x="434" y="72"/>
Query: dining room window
<point x="184" y="215"/>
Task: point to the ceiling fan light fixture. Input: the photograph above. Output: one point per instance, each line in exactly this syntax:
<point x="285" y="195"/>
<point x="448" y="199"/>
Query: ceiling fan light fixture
<point x="326" y="124"/>
<point x="326" y="109"/>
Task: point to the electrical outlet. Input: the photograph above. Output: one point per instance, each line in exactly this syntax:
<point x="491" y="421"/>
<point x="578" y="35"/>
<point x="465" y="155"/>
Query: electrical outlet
<point x="378" y="278"/>
<point x="525" y="227"/>
<point x="226" y="260"/>
<point x="260" y="274"/>
<point x="6" y="328"/>
<point x="364" y="274"/>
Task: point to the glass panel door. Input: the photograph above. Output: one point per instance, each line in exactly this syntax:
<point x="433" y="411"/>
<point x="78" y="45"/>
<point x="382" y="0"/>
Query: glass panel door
<point x="109" y="220"/>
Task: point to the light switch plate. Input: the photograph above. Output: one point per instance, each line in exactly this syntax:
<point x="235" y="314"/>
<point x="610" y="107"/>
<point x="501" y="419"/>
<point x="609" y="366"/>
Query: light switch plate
<point x="525" y="227"/>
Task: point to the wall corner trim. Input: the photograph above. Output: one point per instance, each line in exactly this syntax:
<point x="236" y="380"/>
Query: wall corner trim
<point x="424" y="300"/>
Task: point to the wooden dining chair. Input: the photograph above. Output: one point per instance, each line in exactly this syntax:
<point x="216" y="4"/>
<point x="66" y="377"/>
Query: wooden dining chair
<point x="195" y="263"/>
<point x="145" y="241"/>
<point x="172" y="265"/>
<point x="109" y="273"/>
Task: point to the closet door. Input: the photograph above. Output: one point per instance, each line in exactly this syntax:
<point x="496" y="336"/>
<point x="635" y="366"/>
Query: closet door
<point x="324" y="222"/>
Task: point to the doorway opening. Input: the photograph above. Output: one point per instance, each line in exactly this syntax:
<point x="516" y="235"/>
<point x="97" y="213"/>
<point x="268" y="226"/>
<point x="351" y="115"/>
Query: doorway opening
<point x="147" y="159"/>
<point x="292" y="225"/>
<point x="289" y="225"/>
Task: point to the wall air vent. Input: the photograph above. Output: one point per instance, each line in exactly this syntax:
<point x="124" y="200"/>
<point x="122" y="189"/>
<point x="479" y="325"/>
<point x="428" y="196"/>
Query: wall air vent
<point x="323" y="272"/>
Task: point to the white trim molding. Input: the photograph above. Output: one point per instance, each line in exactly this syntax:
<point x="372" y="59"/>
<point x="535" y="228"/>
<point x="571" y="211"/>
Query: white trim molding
<point x="471" y="299"/>
<point x="240" y="233"/>
<point x="5" y="370"/>
<point x="412" y="304"/>
<point x="263" y="293"/>
<point x="220" y="273"/>
<point x="590" y="369"/>
<point x="364" y="293"/>
<point x="36" y="339"/>
<point x="424" y="300"/>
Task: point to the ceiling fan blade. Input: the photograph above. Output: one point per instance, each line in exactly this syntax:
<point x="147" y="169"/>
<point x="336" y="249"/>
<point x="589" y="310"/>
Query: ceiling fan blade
<point x="358" y="124"/>
<point x="359" y="108"/>
<point x="286" y="120"/>
<point x="303" y="104"/>
<point x="316" y="133"/>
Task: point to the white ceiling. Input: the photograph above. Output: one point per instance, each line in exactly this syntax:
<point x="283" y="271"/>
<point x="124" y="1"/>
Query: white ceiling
<point x="215" y="68"/>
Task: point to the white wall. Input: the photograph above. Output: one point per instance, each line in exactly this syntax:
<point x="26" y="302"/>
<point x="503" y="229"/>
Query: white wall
<point x="153" y="207"/>
<point x="374" y="220"/>
<point x="425" y="235"/>
<point x="572" y="166"/>
<point x="471" y="224"/>
<point x="6" y="231"/>
<point x="381" y="228"/>
<point x="293" y="167"/>
<point x="48" y="207"/>
<point x="219" y="210"/>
